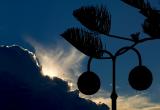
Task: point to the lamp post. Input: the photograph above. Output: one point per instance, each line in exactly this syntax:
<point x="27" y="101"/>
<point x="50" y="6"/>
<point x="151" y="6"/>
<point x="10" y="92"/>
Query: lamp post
<point x="144" y="83"/>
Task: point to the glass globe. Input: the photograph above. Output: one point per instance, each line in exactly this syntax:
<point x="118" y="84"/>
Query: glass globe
<point x="140" y="78"/>
<point x="88" y="83"/>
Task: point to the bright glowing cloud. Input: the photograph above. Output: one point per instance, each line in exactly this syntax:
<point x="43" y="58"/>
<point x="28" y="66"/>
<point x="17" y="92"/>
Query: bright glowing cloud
<point x="57" y="62"/>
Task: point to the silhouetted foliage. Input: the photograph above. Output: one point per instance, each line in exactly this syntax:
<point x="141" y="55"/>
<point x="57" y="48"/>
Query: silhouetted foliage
<point x="98" y="20"/>
<point x="151" y="25"/>
<point x="140" y="4"/>
<point x="94" y="18"/>
<point x="86" y="42"/>
<point x="135" y="36"/>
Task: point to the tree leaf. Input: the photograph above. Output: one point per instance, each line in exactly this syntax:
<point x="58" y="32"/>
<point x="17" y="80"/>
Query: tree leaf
<point x="94" y="18"/>
<point x="84" y="41"/>
<point x="151" y="25"/>
<point x="152" y="28"/>
<point x="145" y="8"/>
<point x="135" y="3"/>
<point x="148" y="11"/>
<point x="135" y="36"/>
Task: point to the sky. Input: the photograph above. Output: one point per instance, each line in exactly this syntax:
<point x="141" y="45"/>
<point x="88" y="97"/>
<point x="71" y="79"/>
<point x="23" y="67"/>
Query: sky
<point x="37" y="25"/>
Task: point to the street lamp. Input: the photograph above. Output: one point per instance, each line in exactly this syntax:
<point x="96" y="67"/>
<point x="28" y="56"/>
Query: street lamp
<point x="140" y="78"/>
<point x="98" y="21"/>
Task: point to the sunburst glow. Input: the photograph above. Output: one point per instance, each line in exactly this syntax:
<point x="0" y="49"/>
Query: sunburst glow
<point x="56" y="62"/>
<point x="50" y="66"/>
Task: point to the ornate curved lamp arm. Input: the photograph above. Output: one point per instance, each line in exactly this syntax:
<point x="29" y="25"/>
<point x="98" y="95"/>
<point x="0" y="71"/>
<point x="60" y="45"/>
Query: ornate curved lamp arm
<point x="104" y="51"/>
<point x="139" y="42"/>
<point x="130" y="48"/>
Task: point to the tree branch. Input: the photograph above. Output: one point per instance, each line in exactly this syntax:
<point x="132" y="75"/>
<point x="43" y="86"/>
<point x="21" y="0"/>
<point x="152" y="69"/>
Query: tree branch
<point x="132" y="46"/>
<point x="119" y="37"/>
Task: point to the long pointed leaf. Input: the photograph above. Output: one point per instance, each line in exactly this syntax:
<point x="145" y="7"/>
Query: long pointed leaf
<point x="94" y="18"/>
<point x="145" y="8"/>
<point x="151" y="24"/>
<point x="152" y="28"/>
<point x="135" y="3"/>
<point x="84" y="41"/>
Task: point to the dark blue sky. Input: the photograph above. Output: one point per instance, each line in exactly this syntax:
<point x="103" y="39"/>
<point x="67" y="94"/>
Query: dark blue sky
<point x="45" y="20"/>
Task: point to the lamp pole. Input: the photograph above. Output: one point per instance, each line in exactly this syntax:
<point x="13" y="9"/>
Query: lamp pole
<point x="114" y="93"/>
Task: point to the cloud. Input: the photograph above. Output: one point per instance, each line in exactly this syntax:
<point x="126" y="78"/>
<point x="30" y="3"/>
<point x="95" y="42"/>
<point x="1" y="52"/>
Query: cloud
<point x="135" y="102"/>
<point x="23" y="87"/>
<point x="59" y="61"/>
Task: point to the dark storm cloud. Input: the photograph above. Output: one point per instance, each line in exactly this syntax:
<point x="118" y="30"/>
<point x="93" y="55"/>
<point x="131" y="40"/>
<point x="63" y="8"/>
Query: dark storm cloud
<point x="22" y="86"/>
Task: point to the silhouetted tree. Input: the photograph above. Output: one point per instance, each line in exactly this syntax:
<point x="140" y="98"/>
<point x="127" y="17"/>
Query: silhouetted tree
<point x="151" y="24"/>
<point x="97" y="20"/>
